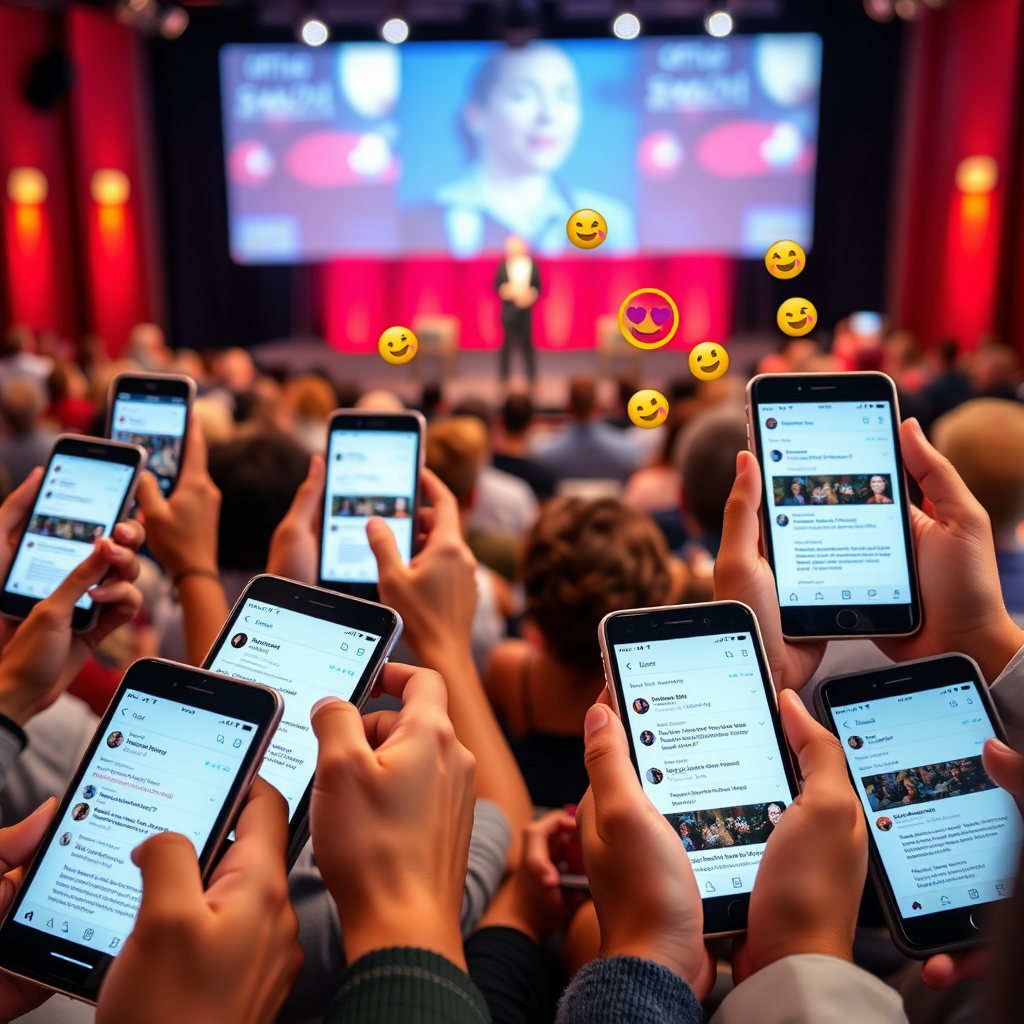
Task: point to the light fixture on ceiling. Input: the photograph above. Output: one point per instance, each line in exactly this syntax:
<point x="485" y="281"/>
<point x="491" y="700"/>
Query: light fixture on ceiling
<point x="395" y="30"/>
<point x="314" y="32"/>
<point x="719" y="24"/>
<point x="27" y="186"/>
<point x="626" y="26"/>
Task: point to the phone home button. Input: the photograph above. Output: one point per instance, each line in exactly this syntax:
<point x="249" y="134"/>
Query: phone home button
<point x="737" y="911"/>
<point x="847" y="619"/>
<point x="974" y="924"/>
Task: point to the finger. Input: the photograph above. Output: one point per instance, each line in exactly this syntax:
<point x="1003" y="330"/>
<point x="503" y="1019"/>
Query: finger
<point x="19" y="842"/>
<point x="149" y="496"/>
<point x="83" y="577"/>
<point x="444" y="503"/>
<point x="612" y="780"/>
<point x="195" y="461"/>
<point x="119" y="594"/>
<point x="738" y="554"/>
<point x="1005" y="766"/>
<point x="537" y="845"/>
<point x="939" y="481"/>
<point x="378" y="725"/>
<point x="817" y="750"/>
<point x="129" y="533"/>
<point x="417" y="687"/>
<point x="946" y="970"/>
<point x="171" y="883"/>
<point x="19" y="502"/>
<point x="384" y="548"/>
<point x="263" y="823"/>
<point x="338" y="728"/>
<point x="307" y="505"/>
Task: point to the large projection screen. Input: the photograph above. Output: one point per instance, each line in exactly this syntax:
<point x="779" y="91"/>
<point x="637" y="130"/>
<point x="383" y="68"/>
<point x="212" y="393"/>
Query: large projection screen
<point x="684" y="144"/>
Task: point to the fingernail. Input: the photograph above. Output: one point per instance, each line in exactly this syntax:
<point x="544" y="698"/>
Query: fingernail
<point x="998" y="746"/>
<point x="915" y="426"/>
<point x="597" y="718"/>
<point x="322" y="702"/>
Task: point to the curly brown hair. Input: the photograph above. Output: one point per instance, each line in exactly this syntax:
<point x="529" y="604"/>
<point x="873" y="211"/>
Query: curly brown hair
<point x="583" y="559"/>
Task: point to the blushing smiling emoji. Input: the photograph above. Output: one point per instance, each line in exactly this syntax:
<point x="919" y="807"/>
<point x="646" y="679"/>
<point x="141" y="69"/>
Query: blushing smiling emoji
<point x="796" y="317"/>
<point x="586" y="229"/>
<point x="648" y="318"/>
<point x="398" y="345"/>
<point x="708" y="360"/>
<point x="785" y="259"/>
<point x="648" y="409"/>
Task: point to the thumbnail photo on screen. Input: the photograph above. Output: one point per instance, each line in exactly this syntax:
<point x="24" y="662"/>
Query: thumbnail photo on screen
<point x="362" y="505"/>
<point x="929" y="782"/>
<point x="727" y="826"/>
<point x="848" y="489"/>
<point x="164" y="450"/>
<point x="65" y="529"/>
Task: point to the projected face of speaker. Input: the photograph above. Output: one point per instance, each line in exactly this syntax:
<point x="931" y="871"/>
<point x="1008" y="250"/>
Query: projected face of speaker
<point x="527" y="119"/>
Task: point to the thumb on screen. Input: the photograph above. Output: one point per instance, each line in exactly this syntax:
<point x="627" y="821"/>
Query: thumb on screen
<point x="61" y="603"/>
<point x="384" y="547"/>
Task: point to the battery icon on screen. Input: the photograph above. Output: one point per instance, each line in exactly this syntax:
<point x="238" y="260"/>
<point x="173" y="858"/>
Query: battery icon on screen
<point x="966" y="686"/>
<point x="246" y="728"/>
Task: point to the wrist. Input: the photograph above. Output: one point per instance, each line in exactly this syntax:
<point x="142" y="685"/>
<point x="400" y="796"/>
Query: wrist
<point x="996" y="647"/>
<point x="426" y="927"/>
<point x="444" y="654"/>
<point x="664" y="953"/>
<point x="14" y="705"/>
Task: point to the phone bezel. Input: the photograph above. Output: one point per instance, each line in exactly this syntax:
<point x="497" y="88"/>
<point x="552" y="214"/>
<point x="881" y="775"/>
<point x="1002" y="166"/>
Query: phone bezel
<point x="821" y="622"/>
<point x="723" y="915"/>
<point x="407" y="422"/>
<point x="172" y="385"/>
<point x="26" y="951"/>
<point x="948" y="930"/>
<point x="17" y="606"/>
<point x="329" y="605"/>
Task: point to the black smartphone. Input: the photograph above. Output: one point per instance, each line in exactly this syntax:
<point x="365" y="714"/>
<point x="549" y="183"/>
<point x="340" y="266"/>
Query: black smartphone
<point x="175" y="752"/>
<point x="692" y="686"/>
<point x="945" y="840"/>
<point x="374" y="461"/>
<point x="151" y="410"/>
<point x="87" y="487"/>
<point x="306" y="643"/>
<point x="836" y="515"/>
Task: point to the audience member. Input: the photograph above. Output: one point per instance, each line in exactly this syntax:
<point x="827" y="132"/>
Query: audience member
<point x="28" y="440"/>
<point x="380" y="400"/>
<point x="994" y="369"/>
<point x="626" y="386"/>
<point x="984" y="440"/>
<point x="19" y="359"/>
<point x="950" y="386"/>
<point x="588" y="449"/>
<point x="510" y="447"/>
<point x="581" y="560"/>
<point x="309" y="400"/>
<point x="69" y="406"/>
<point x="147" y="348"/>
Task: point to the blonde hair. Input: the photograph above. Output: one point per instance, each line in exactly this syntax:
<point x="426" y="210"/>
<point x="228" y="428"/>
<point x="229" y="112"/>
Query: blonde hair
<point x="455" y="452"/>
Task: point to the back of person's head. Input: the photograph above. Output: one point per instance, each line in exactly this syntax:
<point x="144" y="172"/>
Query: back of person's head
<point x="582" y="397"/>
<point x="380" y="400"/>
<point x="476" y="407"/>
<point x="705" y="455"/>
<point x="311" y="397"/>
<point x="455" y="452"/>
<point x="235" y="369"/>
<point x="147" y="347"/>
<point x="583" y="559"/>
<point x="517" y="414"/>
<point x="22" y="403"/>
<point x="258" y="476"/>
<point x="626" y="386"/>
<point x="349" y="393"/>
<point x="984" y="439"/>
<point x="948" y="351"/>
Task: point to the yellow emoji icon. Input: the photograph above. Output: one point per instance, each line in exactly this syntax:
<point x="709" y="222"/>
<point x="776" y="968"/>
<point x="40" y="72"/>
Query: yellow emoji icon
<point x="708" y="360"/>
<point x="586" y="229"/>
<point x="785" y="259"/>
<point x="397" y="345"/>
<point x="796" y="317"/>
<point x="648" y="318"/>
<point x="648" y="409"/>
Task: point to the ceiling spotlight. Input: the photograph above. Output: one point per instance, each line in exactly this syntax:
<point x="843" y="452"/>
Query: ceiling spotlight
<point x="314" y="32"/>
<point x="395" y="31"/>
<point x="626" y="26"/>
<point x="174" y="22"/>
<point x="719" y="24"/>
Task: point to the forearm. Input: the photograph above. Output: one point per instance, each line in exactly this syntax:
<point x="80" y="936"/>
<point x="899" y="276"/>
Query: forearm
<point x="498" y="777"/>
<point x="204" y="611"/>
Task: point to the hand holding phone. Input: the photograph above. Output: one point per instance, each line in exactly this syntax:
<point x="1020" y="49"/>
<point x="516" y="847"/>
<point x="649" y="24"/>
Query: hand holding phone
<point x="640" y="876"/>
<point x="229" y="953"/>
<point x="295" y="545"/>
<point x="808" y="888"/>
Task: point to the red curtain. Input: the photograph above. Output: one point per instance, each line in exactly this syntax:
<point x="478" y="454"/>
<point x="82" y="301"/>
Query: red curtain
<point x="364" y="297"/>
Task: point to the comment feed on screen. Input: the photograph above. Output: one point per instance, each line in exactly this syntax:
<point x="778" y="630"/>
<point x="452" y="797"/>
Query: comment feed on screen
<point x="303" y="658"/>
<point x="156" y="424"/>
<point x="707" y="750"/>
<point x="947" y="836"/>
<point x="78" y="504"/>
<point x="161" y="766"/>
<point x="833" y="503"/>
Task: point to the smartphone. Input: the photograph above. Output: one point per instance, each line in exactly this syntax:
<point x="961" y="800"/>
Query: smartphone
<point x="88" y="486"/>
<point x="692" y="686"/>
<point x="306" y="643"/>
<point x="152" y="410"/>
<point x="836" y="515"/>
<point x="176" y="751"/>
<point x="374" y="461"/>
<point x="945" y="840"/>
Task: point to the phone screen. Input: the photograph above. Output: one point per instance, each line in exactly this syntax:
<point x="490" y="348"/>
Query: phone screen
<point x="369" y="473"/>
<point x="946" y="834"/>
<point x="304" y="658"/>
<point x="707" y="750"/>
<point x="78" y="503"/>
<point x="162" y="767"/>
<point x="156" y="423"/>
<point x="833" y="500"/>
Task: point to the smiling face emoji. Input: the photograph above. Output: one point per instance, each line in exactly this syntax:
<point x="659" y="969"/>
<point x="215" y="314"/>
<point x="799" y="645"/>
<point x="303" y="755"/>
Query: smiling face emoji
<point x="796" y="317"/>
<point x="785" y="259"/>
<point x="398" y="345"/>
<point x="648" y="318"/>
<point x="586" y="229"/>
<point x="648" y="409"/>
<point x="708" y="360"/>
